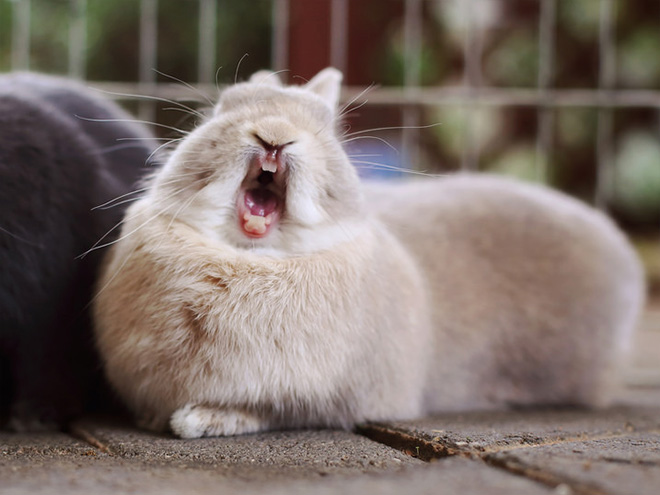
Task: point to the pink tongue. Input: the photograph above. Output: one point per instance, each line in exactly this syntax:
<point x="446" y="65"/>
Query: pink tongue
<point x="260" y="202"/>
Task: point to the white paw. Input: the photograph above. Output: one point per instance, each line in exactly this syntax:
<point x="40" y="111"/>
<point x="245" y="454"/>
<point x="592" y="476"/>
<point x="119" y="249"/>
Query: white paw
<point x="195" y="421"/>
<point x="186" y="423"/>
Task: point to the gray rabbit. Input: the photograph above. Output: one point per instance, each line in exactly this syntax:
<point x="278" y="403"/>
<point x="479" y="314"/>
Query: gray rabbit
<point x="60" y="156"/>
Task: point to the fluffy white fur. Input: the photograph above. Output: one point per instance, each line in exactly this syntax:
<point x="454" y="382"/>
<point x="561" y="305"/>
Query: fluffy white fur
<point x="388" y="301"/>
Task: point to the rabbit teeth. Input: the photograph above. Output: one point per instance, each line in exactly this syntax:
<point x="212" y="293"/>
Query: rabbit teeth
<point x="256" y="224"/>
<point x="269" y="166"/>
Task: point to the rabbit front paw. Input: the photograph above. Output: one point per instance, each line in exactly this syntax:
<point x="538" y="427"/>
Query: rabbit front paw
<point x="196" y="421"/>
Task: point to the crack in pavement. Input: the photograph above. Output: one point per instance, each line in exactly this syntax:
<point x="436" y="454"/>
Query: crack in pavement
<point x="547" y="478"/>
<point x="81" y="433"/>
<point x="426" y="449"/>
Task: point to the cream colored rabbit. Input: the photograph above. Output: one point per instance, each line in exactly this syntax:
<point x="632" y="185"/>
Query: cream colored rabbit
<point x="260" y="285"/>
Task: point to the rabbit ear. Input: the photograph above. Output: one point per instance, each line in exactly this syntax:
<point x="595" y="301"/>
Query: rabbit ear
<point x="266" y="77"/>
<point x="327" y="84"/>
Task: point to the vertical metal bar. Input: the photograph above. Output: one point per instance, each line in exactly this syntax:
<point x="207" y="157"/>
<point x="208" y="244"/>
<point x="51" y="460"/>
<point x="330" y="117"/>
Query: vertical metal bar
<point x="547" y="21"/>
<point x="339" y="34"/>
<point x="545" y="115"/>
<point x="606" y="79"/>
<point x="208" y="26"/>
<point x="472" y="78"/>
<point x="20" y="35"/>
<point x="279" y="57"/>
<point x="148" y="54"/>
<point x="78" y="39"/>
<point x="607" y="68"/>
<point x="412" y="49"/>
<point x="472" y="45"/>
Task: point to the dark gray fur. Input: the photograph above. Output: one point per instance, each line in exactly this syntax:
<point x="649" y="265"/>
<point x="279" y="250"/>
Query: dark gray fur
<point x="55" y="167"/>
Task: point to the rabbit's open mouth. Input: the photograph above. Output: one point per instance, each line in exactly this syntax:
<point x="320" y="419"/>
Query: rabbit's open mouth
<point x="261" y="198"/>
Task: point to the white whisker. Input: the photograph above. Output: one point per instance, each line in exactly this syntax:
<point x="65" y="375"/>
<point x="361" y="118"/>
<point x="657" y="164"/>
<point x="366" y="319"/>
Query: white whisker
<point x="101" y="246"/>
<point x="97" y="245"/>
<point x="364" y="155"/>
<point x="105" y="286"/>
<point x="187" y="85"/>
<point x="128" y="200"/>
<point x="356" y="138"/>
<point x="104" y="205"/>
<point x="276" y="73"/>
<point x="145" y="139"/>
<point x="147" y="97"/>
<point x="217" y="84"/>
<point x="394" y="128"/>
<point x="392" y="168"/>
<point x="162" y="146"/>
<point x="185" y="205"/>
<point x="351" y="110"/>
<point x="238" y="66"/>
<point x="186" y="111"/>
<point x="146" y="122"/>
<point x="19" y="238"/>
<point x="117" y="147"/>
<point x="343" y="110"/>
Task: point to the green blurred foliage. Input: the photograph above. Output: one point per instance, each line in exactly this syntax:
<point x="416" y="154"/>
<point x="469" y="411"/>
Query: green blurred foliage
<point x="113" y="40"/>
<point x="514" y="60"/>
<point x="575" y="126"/>
<point x="637" y="177"/>
<point x="519" y="162"/>
<point x="639" y="55"/>
<point x="573" y="157"/>
<point x="50" y="35"/>
<point x="113" y="37"/>
<point x="5" y="34"/>
<point x="482" y="124"/>
<point x="579" y="18"/>
<point x="434" y="64"/>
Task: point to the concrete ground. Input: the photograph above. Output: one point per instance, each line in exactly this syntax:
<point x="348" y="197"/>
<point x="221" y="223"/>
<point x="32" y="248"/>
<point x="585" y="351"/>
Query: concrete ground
<point x="613" y="451"/>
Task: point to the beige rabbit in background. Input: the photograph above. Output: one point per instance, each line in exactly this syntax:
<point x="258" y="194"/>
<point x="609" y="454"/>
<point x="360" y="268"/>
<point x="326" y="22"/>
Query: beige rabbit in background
<point x="259" y="284"/>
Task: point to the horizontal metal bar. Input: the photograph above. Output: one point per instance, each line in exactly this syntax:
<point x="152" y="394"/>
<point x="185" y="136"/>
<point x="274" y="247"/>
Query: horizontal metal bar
<point x="512" y="97"/>
<point x="432" y="96"/>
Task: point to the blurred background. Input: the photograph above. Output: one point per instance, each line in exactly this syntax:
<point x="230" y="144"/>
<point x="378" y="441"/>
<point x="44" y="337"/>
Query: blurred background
<point x="562" y="92"/>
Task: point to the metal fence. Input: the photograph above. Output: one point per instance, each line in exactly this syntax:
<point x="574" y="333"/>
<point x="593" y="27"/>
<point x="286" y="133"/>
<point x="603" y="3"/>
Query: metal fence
<point x="411" y="98"/>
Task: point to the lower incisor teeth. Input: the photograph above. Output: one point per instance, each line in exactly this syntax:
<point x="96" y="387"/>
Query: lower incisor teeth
<point x="255" y="223"/>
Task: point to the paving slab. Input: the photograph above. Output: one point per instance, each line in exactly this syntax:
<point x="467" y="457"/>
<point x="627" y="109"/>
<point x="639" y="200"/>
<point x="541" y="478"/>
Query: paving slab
<point x="488" y="431"/>
<point x="450" y="476"/>
<point x="287" y="454"/>
<point x="590" y="452"/>
<point x="126" y="460"/>
<point x="629" y="464"/>
<point x="53" y="464"/>
<point x="109" y="457"/>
